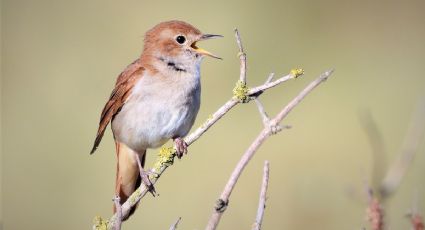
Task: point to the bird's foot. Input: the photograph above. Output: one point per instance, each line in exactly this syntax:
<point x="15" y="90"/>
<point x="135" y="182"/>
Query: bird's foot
<point x="181" y="147"/>
<point x="145" y="177"/>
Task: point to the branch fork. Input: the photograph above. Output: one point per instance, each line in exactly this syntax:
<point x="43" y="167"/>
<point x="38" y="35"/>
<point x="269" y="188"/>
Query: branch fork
<point x="274" y="127"/>
<point x="255" y="145"/>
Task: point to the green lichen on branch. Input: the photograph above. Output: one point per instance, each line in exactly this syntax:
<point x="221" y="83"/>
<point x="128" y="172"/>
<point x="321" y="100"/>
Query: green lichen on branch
<point x="240" y="92"/>
<point x="297" y="72"/>
<point x="100" y="223"/>
<point x="165" y="158"/>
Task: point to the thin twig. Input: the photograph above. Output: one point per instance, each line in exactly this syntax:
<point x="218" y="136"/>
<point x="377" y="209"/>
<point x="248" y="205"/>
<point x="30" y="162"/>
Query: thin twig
<point x="223" y="201"/>
<point x="291" y="105"/>
<point x="379" y="156"/>
<point x="174" y="226"/>
<point x="119" y="213"/>
<point x="242" y="57"/>
<point x="415" y="134"/>
<point x="269" y="85"/>
<point x="269" y="78"/>
<point x="265" y="118"/>
<point x="263" y="197"/>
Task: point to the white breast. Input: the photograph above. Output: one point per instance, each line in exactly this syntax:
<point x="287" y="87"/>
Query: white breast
<point x="158" y="109"/>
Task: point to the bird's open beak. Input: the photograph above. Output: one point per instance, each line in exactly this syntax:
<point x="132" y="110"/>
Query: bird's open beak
<point x="202" y="51"/>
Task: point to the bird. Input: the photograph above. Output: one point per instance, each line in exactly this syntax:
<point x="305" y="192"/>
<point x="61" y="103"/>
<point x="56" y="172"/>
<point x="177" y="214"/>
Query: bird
<point x="156" y="98"/>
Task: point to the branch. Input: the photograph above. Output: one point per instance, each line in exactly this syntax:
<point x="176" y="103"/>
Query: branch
<point x="223" y="201"/>
<point x="415" y="134"/>
<point x="262" y="201"/>
<point x="392" y="180"/>
<point x="242" y="57"/>
<point x="379" y="154"/>
<point x="265" y="118"/>
<point x="174" y="226"/>
<point x="119" y="212"/>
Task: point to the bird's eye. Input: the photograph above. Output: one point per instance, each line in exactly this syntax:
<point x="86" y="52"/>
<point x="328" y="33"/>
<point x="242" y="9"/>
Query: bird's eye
<point x="180" y="39"/>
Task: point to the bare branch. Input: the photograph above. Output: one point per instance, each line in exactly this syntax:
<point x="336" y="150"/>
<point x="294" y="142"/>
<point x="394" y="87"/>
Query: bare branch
<point x="242" y="57"/>
<point x="263" y="113"/>
<point x="269" y="85"/>
<point x="409" y="148"/>
<point x="211" y="121"/>
<point x="119" y="213"/>
<point x="323" y="77"/>
<point x="223" y="201"/>
<point x="392" y="180"/>
<point x="269" y="78"/>
<point x="263" y="197"/>
<point x="379" y="156"/>
<point x="275" y="128"/>
<point x="174" y="226"/>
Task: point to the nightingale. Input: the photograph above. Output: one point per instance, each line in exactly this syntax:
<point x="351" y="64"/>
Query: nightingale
<point x="156" y="98"/>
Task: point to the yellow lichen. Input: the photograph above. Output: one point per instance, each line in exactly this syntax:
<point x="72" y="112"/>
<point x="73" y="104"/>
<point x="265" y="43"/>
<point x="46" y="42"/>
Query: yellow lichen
<point x="165" y="157"/>
<point x="297" y="72"/>
<point x="240" y="92"/>
<point x="99" y="223"/>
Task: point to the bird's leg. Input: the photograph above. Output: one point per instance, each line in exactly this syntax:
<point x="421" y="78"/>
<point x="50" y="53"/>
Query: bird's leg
<point x="145" y="176"/>
<point x="181" y="146"/>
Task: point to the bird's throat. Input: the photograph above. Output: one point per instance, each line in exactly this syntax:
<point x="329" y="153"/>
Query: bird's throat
<point x="172" y="64"/>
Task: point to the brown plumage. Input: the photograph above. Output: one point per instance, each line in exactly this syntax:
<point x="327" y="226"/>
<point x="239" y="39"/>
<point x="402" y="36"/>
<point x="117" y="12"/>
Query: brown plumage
<point x="119" y="95"/>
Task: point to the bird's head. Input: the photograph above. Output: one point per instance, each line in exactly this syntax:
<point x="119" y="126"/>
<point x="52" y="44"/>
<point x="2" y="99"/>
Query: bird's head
<point x="176" y="41"/>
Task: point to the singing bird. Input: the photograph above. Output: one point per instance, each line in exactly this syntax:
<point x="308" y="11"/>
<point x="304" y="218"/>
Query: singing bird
<point x="155" y="99"/>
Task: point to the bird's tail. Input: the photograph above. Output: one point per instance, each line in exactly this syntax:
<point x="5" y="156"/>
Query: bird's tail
<point x="128" y="176"/>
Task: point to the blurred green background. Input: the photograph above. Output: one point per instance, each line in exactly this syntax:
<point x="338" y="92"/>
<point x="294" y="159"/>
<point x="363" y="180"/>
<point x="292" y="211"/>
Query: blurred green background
<point x="59" y="61"/>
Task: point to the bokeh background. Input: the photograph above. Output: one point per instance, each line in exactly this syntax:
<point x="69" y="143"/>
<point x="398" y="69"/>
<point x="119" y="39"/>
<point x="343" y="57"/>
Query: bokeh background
<point x="59" y="61"/>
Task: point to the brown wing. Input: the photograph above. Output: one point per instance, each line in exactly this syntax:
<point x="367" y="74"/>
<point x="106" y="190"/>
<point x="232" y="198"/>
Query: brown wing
<point x="119" y="95"/>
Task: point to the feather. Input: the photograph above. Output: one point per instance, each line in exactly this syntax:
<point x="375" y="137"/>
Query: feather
<point x="123" y="86"/>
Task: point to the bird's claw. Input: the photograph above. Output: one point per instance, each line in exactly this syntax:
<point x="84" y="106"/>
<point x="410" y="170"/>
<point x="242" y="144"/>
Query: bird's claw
<point x="145" y="178"/>
<point x="181" y="147"/>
